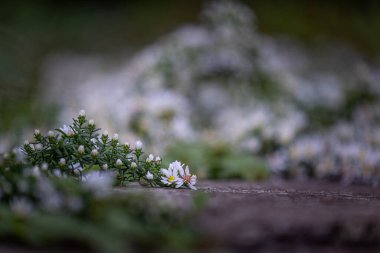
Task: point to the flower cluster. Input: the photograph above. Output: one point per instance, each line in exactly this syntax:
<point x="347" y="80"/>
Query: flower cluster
<point x="177" y="176"/>
<point x="220" y="81"/>
<point x="79" y="149"/>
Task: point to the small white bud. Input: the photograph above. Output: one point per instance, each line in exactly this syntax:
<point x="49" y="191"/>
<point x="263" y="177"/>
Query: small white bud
<point x="149" y="176"/>
<point x="77" y="172"/>
<point x="37" y="132"/>
<point x="138" y="144"/>
<point x="133" y="165"/>
<point x="94" y="152"/>
<point x="105" y="166"/>
<point x="82" y="113"/>
<point x="51" y="134"/>
<point x="62" y="161"/>
<point x="44" y="166"/>
<point x="81" y="149"/>
<point x="26" y="142"/>
<point x="119" y="162"/>
<point x="126" y="144"/>
<point x="158" y="159"/>
<point x="38" y="146"/>
<point x="150" y="158"/>
<point x="105" y="133"/>
<point x="91" y="122"/>
<point x="115" y="137"/>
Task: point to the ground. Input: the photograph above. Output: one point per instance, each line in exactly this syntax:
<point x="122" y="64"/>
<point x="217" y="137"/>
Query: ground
<point x="280" y="216"/>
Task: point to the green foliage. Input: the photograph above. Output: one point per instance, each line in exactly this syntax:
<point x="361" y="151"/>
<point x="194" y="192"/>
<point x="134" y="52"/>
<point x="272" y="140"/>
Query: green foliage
<point x="60" y="194"/>
<point x="79" y="148"/>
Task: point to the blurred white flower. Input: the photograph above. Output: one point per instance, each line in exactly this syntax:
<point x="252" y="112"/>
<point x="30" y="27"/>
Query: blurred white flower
<point x="62" y="161"/>
<point x="138" y="144"/>
<point x="82" y="113"/>
<point x="99" y="183"/>
<point x="81" y="149"/>
<point x="94" y="152"/>
<point x="149" y="176"/>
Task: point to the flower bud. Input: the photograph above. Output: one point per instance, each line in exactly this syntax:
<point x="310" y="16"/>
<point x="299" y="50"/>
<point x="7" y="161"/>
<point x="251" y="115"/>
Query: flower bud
<point x="82" y="113"/>
<point x="158" y="159"/>
<point x="115" y="137"/>
<point x="150" y="158"/>
<point x="138" y="144"/>
<point x="51" y="134"/>
<point x="26" y="143"/>
<point x="81" y="149"/>
<point x="149" y="176"/>
<point x="119" y="163"/>
<point x="105" y="166"/>
<point x="133" y="165"/>
<point x="38" y="146"/>
<point x="37" y="132"/>
<point x="91" y="122"/>
<point x="105" y="133"/>
<point x="62" y="161"/>
<point x="94" y="152"/>
<point x="44" y="166"/>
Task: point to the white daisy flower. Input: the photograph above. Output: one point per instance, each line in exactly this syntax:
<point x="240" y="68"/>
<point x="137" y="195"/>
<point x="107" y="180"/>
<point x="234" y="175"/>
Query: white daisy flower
<point x="188" y="179"/>
<point x="170" y="175"/>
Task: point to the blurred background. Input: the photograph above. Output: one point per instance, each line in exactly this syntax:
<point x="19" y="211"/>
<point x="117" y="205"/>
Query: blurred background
<point x="237" y="89"/>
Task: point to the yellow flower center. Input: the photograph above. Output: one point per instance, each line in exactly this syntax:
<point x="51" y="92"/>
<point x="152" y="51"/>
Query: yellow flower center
<point x="171" y="179"/>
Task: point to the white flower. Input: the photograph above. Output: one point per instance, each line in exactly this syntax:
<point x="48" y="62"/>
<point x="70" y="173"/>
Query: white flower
<point x="44" y="166"/>
<point x="188" y="179"/>
<point x="149" y="158"/>
<point x="67" y="130"/>
<point x="82" y="113"/>
<point x="158" y="159"/>
<point x="37" y="132"/>
<point x="91" y="122"/>
<point x="26" y="142"/>
<point x="38" y="146"/>
<point x="94" y="152"/>
<point x="51" y="134"/>
<point x="119" y="162"/>
<point x="36" y="171"/>
<point x="149" y="176"/>
<point x="105" y="133"/>
<point x="21" y="206"/>
<point x="105" y="166"/>
<point x="170" y="175"/>
<point x="62" y="161"/>
<point x="81" y="149"/>
<point x="138" y="144"/>
<point x="99" y="183"/>
<point x="115" y="137"/>
<point x="126" y="144"/>
<point x="133" y="165"/>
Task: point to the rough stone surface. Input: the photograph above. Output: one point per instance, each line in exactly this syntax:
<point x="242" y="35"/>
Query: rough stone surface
<point x="288" y="216"/>
<point x="279" y="216"/>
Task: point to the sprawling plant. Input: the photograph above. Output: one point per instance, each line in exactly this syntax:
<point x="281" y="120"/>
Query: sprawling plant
<point x="77" y="149"/>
